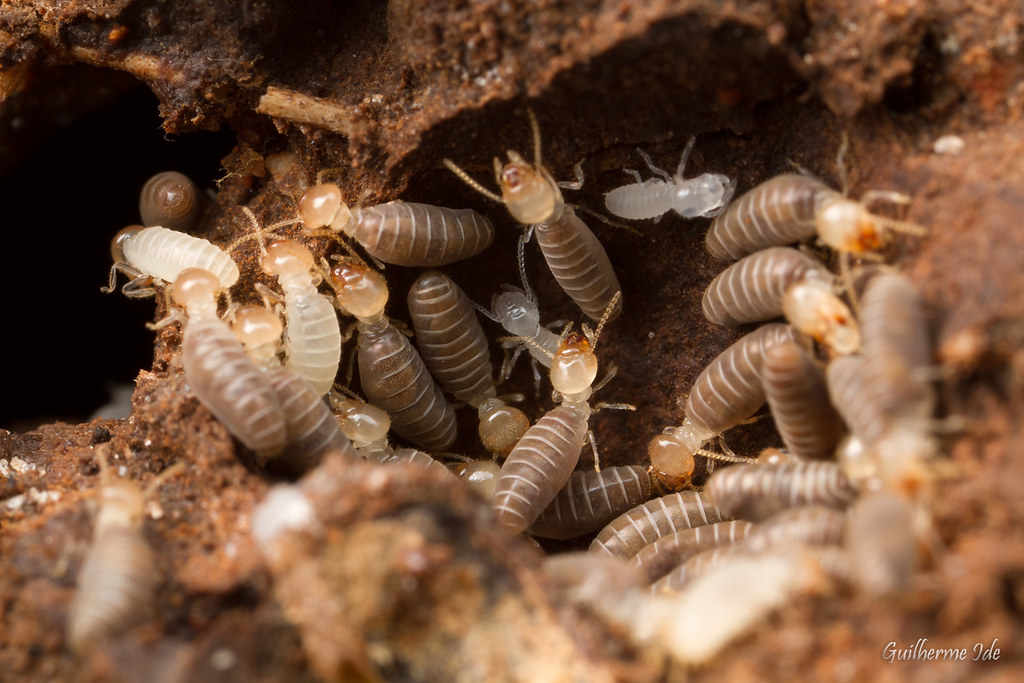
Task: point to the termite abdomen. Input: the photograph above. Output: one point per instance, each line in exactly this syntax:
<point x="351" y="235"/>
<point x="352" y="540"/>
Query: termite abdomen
<point x="591" y="499"/>
<point x="312" y="428"/>
<point x="629" y="532"/>
<point x="759" y="491"/>
<point x="659" y="558"/>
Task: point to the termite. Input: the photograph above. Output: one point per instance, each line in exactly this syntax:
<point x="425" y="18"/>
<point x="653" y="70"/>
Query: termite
<point x="881" y="543"/>
<point x="727" y="392"/>
<point x="660" y="557"/>
<point x="312" y="428"/>
<point x="398" y="232"/>
<point x="628" y="533"/>
<point x="118" y="580"/>
<point x="705" y="195"/>
<point x="777" y="281"/>
<point x="574" y="255"/>
<point x="591" y="499"/>
<point x="411" y="456"/>
<point x="365" y="425"/>
<point x="480" y="474"/>
<point x="391" y="372"/>
<point x="219" y="371"/>
<point x="794" y="386"/>
<point x="516" y="310"/>
<point x="543" y="460"/>
<point x="170" y="199"/>
<point x="161" y="254"/>
<point x="454" y="348"/>
<point x="758" y="491"/>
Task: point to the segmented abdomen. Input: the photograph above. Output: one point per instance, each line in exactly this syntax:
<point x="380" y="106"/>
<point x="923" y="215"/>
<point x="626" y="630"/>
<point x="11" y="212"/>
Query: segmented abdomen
<point x="163" y="254"/>
<point x="579" y="263"/>
<point x="312" y="338"/>
<point x="312" y="428"/>
<point x="639" y="201"/>
<point x="752" y="288"/>
<point x="795" y="388"/>
<point x="658" y="558"/>
<point x="631" y="531"/>
<point x="729" y="390"/>
<point x="450" y="338"/>
<point x="232" y="387"/>
<point x="395" y="379"/>
<point x="411" y="456"/>
<point x="759" y="491"/>
<point x="539" y="466"/>
<point x="866" y="410"/>
<point x="777" y="212"/>
<point x="591" y="499"/>
<point x="411" y="234"/>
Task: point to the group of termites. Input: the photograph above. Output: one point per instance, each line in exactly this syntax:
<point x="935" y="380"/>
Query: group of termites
<point x="845" y="375"/>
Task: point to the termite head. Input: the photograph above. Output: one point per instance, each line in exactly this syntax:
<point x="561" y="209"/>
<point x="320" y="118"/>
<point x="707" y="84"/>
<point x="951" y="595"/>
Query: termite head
<point x="362" y="292"/>
<point x="501" y="426"/>
<point x="529" y="192"/>
<point x="259" y="330"/>
<point x="122" y="505"/>
<point x="856" y="462"/>
<point x="813" y="308"/>
<point x="480" y="474"/>
<point x="574" y="367"/>
<point x="845" y="225"/>
<point x="361" y="422"/>
<point x="120" y="239"/>
<point x="516" y="312"/>
<point x="286" y="258"/>
<point x="195" y="290"/>
<point x="904" y="457"/>
<point x="322" y="206"/>
<point x="672" y="461"/>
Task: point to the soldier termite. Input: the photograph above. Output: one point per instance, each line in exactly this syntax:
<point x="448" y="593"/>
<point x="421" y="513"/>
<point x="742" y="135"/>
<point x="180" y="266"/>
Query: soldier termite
<point x="777" y="281"/>
<point x="219" y="371"/>
<point x="625" y="535"/>
<point x="794" y="386"/>
<point x="705" y="195"/>
<point x="391" y="372"/>
<point x="758" y="491"/>
<point x="727" y="392"/>
<point x="118" y="579"/>
<point x="170" y="199"/>
<point x="312" y="428"/>
<point x="543" y="460"/>
<point x="161" y="254"/>
<point x="455" y="349"/>
<point x="591" y="499"/>
<point x="658" y="558"/>
<point x="398" y="232"/>
<point x="574" y="255"/>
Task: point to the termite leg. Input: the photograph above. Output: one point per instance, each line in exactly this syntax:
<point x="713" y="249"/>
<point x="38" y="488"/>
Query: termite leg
<point x="685" y="157"/>
<point x="635" y="175"/>
<point x="654" y="169"/>
<point x="133" y="289"/>
<point x="175" y="316"/>
<point x="604" y="219"/>
<point x="593" y="447"/>
<point x="844" y="145"/>
<point x="576" y="184"/>
<point x="535" y="132"/>
<point x="524" y="237"/>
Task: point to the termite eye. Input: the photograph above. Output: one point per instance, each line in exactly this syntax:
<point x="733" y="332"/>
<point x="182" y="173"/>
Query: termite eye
<point x="319" y="204"/>
<point x="286" y="257"/>
<point x="117" y="244"/>
<point x="194" y="285"/>
<point x="256" y="326"/>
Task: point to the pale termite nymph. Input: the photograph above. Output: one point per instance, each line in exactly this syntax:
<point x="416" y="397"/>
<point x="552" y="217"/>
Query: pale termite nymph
<point x="591" y="499"/>
<point x="703" y="196"/>
<point x="758" y="491"/>
<point x="365" y="425"/>
<point x="628" y="533"/>
<point x="574" y="255"/>
<point x="516" y="311"/>
<point x="170" y="199"/>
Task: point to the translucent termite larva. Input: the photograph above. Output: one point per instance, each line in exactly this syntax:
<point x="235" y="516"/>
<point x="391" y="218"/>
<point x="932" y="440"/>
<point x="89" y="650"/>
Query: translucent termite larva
<point x="592" y="499"/>
<point x="659" y="558"/>
<point x="758" y="491"/>
<point x="798" y="398"/>
<point x="703" y="195"/>
<point x="170" y="199"/>
<point x="519" y="315"/>
<point x="400" y="233"/>
<point x="629" y="532"/>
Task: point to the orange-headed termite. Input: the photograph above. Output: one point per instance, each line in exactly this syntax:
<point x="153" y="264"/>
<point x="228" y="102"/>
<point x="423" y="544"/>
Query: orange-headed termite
<point x="592" y="499"/>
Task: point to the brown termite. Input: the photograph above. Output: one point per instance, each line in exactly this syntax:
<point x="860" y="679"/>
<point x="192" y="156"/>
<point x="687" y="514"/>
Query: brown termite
<point x="794" y="386"/>
<point x="411" y="456"/>
<point x="628" y="533"/>
<point x="398" y="232"/>
<point x="757" y="491"/>
<point x="727" y="392"/>
<point x="783" y="281"/>
<point x="454" y="347"/>
<point x="118" y="580"/>
<point x="543" y="460"/>
<point x="592" y="499"/>
<point x="312" y="428"/>
<point x="219" y="371"/>
<point x="574" y="255"/>
<point x="170" y="199"/>
<point x="881" y="543"/>
<point x="391" y="372"/>
<point x="659" y="558"/>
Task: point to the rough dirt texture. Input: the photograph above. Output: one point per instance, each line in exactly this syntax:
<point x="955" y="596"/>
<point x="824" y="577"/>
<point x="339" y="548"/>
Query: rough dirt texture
<point x="427" y="587"/>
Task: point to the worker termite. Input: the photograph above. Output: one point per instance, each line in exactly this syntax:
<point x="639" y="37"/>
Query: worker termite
<point x="705" y="195"/>
<point x="727" y="392"/>
<point x="777" y="281"/>
<point x="543" y="460"/>
<point x="398" y="232"/>
<point x="629" y="532"/>
<point x="591" y="499"/>
<point x="574" y="255"/>
<point x="660" y="557"/>
<point x="161" y="254"/>
<point x="170" y="199"/>
<point x="219" y="371"/>
<point x="312" y="428"/>
<point x="758" y="491"/>
<point x="881" y="543"/>
<point x="455" y="349"/>
<point x="391" y="372"/>
<point x="480" y="474"/>
<point x="794" y="386"/>
<point x="118" y="579"/>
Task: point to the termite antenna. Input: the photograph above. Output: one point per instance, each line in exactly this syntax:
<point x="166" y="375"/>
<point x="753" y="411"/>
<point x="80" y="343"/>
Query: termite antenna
<point x="604" y="219"/>
<point x="905" y="227"/>
<point x="722" y="457"/>
<point x="529" y="341"/>
<point x="465" y="177"/>
<point x="608" y="377"/>
<point x="535" y="130"/>
<point x="685" y="157"/>
<point x="160" y="479"/>
<point x="606" y="316"/>
<point x="844" y="146"/>
<point x="524" y="237"/>
<point x="564" y="333"/>
<point x="257" y="233"/>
